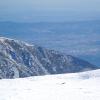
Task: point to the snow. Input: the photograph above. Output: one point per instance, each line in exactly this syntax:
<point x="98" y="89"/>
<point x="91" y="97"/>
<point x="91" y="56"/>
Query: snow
<point x="2" y="39"/>
<point x="77" y="86"/>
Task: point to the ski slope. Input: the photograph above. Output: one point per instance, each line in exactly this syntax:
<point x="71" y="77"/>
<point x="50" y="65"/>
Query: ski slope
<point x="77" y="86"/>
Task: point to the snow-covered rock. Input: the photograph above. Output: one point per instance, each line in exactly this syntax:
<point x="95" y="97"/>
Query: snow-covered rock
<point x="19" y="59"/>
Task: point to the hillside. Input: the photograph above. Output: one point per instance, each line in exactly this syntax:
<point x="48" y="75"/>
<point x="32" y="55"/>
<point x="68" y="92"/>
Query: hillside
<point x="19" y="59"/>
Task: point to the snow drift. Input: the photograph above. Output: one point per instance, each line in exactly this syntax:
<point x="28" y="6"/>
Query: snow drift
<point x="53" y="87"/>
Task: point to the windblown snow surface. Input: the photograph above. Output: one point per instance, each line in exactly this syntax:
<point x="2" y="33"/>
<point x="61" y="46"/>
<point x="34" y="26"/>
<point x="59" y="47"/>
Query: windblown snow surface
<point x="77" y="86"/>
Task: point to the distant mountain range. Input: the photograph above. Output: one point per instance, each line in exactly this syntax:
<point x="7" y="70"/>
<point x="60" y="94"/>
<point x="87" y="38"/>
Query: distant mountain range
<point x="80" y="38"/>
<point x="19" y="59"/>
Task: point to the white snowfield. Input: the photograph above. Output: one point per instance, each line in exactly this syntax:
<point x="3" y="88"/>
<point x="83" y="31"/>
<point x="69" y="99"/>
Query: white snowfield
<point x="77" y="86"/>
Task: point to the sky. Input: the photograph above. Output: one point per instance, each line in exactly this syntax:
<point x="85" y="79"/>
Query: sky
<point x="49" y="10"/>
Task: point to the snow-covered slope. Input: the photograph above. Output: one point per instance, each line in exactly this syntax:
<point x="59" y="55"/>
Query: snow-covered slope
<point x="77" y="86"/>
<point x="19" y="59"/>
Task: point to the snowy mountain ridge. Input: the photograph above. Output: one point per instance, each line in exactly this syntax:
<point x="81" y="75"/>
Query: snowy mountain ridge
<point x="20" y="59"/>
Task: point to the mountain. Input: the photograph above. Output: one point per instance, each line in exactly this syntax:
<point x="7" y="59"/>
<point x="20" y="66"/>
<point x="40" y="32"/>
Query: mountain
<point x="19" y="59"/>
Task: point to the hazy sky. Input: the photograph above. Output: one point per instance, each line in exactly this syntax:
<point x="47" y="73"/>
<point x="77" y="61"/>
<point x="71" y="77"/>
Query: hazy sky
<point x="49" y="10"/>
